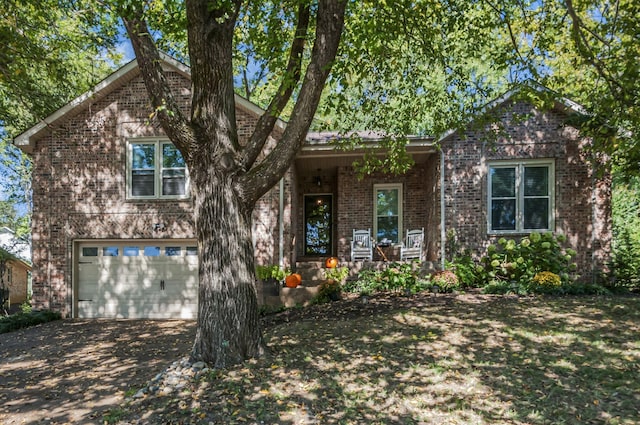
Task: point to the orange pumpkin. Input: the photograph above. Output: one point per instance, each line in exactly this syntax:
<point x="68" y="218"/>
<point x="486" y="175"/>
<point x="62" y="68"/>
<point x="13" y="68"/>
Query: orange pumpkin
<point x="293" y="280"/>
<point x="331" y="263"/>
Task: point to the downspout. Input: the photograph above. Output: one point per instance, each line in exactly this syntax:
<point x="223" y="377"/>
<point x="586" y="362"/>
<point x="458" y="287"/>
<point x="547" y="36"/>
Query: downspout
<point x="443" y="233"/>
<point x="281" y="224"/>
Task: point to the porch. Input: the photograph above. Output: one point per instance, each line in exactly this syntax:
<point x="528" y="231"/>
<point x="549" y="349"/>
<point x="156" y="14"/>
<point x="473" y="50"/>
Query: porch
<point x="330" y="200"/>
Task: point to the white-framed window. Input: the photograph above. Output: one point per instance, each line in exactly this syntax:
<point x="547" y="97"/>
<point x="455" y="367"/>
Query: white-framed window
<point x="387" y="212"/>
<point x="520" y="196"/>
<point x="155" y="170"/>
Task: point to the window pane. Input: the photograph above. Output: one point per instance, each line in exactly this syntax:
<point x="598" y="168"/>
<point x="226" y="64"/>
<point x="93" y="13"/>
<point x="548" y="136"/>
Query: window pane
<point x="317" y="225"/>
<point x="387" y="202"/>
<point x="192" y="250"/>
<point x="536" y="213"/>
<point x="503" y="182"/>
<point x="144" y="156"/>
<point x="173" y="182"/>
<point x="503" y="214"/>
<point x="171" y="157"/>
<point x="152" y="251"/>
<point x="110" y="251"/>
<point x="172" y="251"/>
<point x="387" y="228"/>
<point x="90" y="252"/>
<point x="536" y="181"/>
<point x="130" y="251"/>
<point x="142" y="183"/>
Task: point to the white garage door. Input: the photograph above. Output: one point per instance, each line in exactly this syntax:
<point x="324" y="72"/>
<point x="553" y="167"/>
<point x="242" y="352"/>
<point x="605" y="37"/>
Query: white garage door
<point x="137" y="280"/>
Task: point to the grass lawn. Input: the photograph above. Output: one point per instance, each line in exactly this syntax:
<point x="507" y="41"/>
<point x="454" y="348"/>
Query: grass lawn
<point x="466" y="359"/>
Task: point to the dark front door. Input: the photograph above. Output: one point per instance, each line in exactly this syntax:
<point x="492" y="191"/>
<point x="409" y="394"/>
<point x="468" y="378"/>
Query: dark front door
<point x="317" y="224"/>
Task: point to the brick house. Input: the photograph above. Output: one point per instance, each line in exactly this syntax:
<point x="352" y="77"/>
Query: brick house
<point x="15" y="270"/>
<point x="112" y="225"/>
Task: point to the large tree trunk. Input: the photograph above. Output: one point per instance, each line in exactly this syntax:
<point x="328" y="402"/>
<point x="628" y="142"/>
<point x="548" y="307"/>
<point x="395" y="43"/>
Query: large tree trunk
<point x="225" y="180"/>
<point x="228" y="327"/>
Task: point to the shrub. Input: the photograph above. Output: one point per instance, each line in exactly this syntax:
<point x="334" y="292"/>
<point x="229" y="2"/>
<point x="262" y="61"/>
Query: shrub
<point x="25" y="307"/>
<point x="271" y="272"/>
<point x="466" y="270"/>
<point x="367" y="283"/>
<point x="330" y="290"/>
<point x="545" y="282"/>
<point x="24" y="320"/>
<point x="445" y="280"/>
<point x="519" y="262"/>
<point x="338" y="274"/>
<point x="584" y="289"/>
<point x="396" y="277"/>
<point x="625" y="246"/>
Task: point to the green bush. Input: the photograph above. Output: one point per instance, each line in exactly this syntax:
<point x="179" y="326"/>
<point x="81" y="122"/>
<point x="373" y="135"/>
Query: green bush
<point x="466" y="270"/>
<point x="519" y="262"/>
<point x="338" y="274"/>
<point x="584" y="289"/>
<point x="272" y="272"/>
<point x="625" y="247"/>
<point x="445" y="280"/>
<point x="24" y="320"/>
<point x="503" y="287"/>
<point x="331" y="288"/>
<point x="396" y="277"/>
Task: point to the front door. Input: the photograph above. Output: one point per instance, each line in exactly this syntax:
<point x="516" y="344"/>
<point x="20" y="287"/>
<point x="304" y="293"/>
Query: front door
<point x="318" y="224"/>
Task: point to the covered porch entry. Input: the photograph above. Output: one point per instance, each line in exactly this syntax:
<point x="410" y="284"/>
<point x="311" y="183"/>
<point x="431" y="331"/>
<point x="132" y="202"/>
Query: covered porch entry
<point x="331" y="201"/>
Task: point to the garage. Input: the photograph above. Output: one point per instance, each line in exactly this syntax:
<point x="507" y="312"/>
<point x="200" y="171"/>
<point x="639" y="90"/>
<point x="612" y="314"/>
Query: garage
<point x="137" y="279"/>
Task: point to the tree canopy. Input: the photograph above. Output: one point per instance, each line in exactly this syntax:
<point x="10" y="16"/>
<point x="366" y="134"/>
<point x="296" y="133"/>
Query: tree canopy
<point x="406" y="67"/>
<point x="51" y="52"/>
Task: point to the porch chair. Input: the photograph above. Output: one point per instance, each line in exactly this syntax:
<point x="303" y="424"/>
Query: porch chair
<point x="361" y="245"/>
<point x="411" y="248"/>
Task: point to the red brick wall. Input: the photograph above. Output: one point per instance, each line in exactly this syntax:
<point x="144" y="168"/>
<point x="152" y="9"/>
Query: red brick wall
<point x="79" y="188"/>
<point x="581" y="213"/>
<point x="354" y="204"/>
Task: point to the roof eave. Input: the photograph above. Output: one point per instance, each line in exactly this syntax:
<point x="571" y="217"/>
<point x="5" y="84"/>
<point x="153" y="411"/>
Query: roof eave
<point x="327" y="148"/>
<point x="562" y="101"/>
<point x="26" y="140"/>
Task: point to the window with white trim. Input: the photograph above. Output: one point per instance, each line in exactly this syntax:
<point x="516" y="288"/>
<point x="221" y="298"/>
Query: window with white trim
<point x="387" y="210"/>
<point x="156" y="169"/>
<point x="520" y="196"/>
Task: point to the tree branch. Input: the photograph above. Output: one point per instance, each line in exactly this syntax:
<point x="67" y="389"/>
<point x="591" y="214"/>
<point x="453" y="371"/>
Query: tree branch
<point x="330" y="23"/>
<point x="582" y="45"/>
<point x="267" y="121"/>
<point x="210" y="34"/>
<point x="165" y="107"/>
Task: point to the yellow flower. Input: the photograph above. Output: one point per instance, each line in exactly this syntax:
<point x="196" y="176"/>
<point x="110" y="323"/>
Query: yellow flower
<point x="547" y="279"/>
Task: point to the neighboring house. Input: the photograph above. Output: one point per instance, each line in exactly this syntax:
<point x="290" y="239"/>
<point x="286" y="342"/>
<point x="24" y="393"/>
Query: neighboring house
<point x="15" y="256"/>
<point x="112" y="222"/>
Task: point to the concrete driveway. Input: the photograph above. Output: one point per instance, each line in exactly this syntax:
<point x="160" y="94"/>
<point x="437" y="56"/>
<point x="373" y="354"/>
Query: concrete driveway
<point x="72" y="371"/>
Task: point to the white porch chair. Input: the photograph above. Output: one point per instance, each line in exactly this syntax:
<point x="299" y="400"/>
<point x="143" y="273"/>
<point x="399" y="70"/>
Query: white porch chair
<point x="361" y="245"/>
<point x="411" y="248"/>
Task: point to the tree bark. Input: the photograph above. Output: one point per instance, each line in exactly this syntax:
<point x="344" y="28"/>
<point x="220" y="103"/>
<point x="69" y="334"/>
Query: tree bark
<point x="228" y="329"/>
<point x="224" y="186"/>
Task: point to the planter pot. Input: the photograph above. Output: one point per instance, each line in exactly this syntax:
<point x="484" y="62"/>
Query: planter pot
<point x="271" y="287"/>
